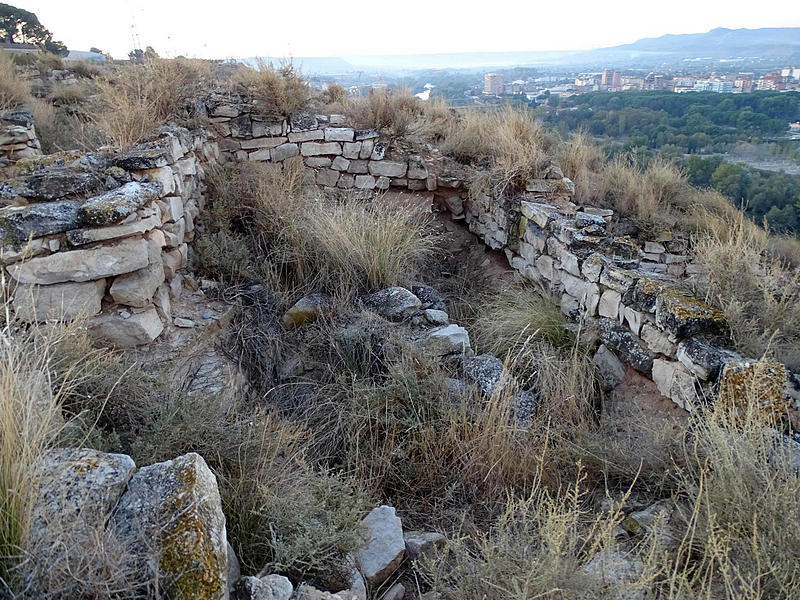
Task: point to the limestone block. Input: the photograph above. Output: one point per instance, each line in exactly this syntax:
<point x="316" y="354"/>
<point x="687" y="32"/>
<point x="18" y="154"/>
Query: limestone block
<point x="366" y="148"/>
<point x="684" y="316"/>
<point x="617" y="278"/>
<point x="574" y="286"/>
<point x="423" y="544"/>
<point x="592" y="299"/>
<point x="675" y="382"/>
<point x="302" y="121"/>
<point x="609" y="367"/>
<point x="346" y="181"/>
<point x="657" y="341"/>
<point x="62" y="301"/>
<point x="261" y="129"/>
<point x="592" y="267"/>
<point x="609" y="304"/>
<point x="633" y="318"/>
<point x="21" y="223"/>
<point x="367" y="134"/>
<point x="379" y="150"/>
<point x="449" y="339"/>
<point x="137" y="288"/>
<point x="172" y="516"/>
<point x="704" y="359"/>
<point x="76" y="492"/>
<point x="162" y="175"/>
<point x="541" y="214"/>
<point x="327" y="177"/>
<point x="569" y="262"/>
<point x="569" y="305"/>
<point x="83" y="265"/>
<point x="261" y="143"/>
<point x="627" y="346"/>
<point x="174" y="260"/>
<point x="394" y="303"/>
<point x="544" y="264"/>
<point x="351" y="150"/>
<point x="174" y="233"/>
<point x="358" y="167"/>
<point x="339" y="134"/>
<point x="306" y="136"/>
<point x="122" y="329"/>
<point x="365" y="182"/>
<point x="112" y="207"/>
<point x="284" y="151"/>
<point x="654" y="248"/>
<point x="340" y="164"/>
<point x="320" y="148"/>
<point x="318" y="161"/>
<point x="382" y="183"/>
<point x="384" y="549"/>
<point x="388" y="168"/>
<point x="417" y="169"/>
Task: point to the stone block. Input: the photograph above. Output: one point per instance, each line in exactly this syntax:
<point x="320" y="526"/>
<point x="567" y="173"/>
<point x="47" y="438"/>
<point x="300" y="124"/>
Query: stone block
<point x="318" y="161"/>
<point x="171" y="208"/>
<point x="592" y="267"/>
<point x="60" y="301"/>
<point x="83" y="265"/>
<point x="609" y="367"/>
<point x="351" y="150"/>
<point x="346" y="181"/>
<point x="627" y="346"/>
<point x="574" y="286"/>
<point x="138" y="288"/>
<point x="261" y="143"/>
<point x="633" y="318"/>
<point x="388" y="168"/>
<point x="122" y="329"/>
<point x="320" y="148"/>
<point x="657" y="341"/>
<point x="327" y="177"/>
<point x="114" y="206"/>
<point x="284" y="151"/>
<point x="358" y="167"/>
<point x="609" y="304"/>
<point x="306" y="136"/>
<point x="684" y="316"/>
<point x="675" y="382"/>
<point x="366" y="148"/>
<point x="365" y="182"/>
<point x="21" y="223"/>
<point x="449" y="339"/>
<point x="541" y="214"/>
<point x="339" y="134"/>
<point x="379" y="150"/>
<point x="544" y="264"/>
<point x="340" y="164"/>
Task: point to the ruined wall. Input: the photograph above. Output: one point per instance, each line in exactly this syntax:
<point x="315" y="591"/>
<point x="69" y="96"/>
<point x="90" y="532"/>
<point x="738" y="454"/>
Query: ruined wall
<point x="104" y="234"/>
<point x="634" y="295"/>
<point x="17" y="139"/>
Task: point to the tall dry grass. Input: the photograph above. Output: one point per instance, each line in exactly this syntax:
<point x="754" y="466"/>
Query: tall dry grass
<point x="582" y="161"/>
<point x="14" y="91"/>
<point x="138" y="99"/>
<point x="513" y="145"/>
<point x="397" y="113"/>
<point x="278" y="91"/>
<point x="757" y="292"/>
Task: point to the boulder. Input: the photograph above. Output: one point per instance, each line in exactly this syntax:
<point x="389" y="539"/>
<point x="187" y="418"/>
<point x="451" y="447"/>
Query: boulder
<point x="268" y="587"/>
<point x="76" y="492"/>
<point x="762" y="382"/>
<point x="83" y="265"/>
<point x="63" y="301"/>
<point x="306" y="310"/>
<point x="113" y="206"/>
<point x="421" y="544"/>
<point x="384" y="546"/>
<point x="609" y="367"/>
<point x="484" y="371"/>
<point x="450" y="339"/>
<point x="19" y="223"/>
<point x="122" y="329"/>
<point x="171" y="515"/>
<point x="395" y="303"/>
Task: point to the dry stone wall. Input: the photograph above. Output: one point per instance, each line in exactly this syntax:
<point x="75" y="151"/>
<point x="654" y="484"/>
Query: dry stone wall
<point x="634" y="295"/>
<point x="105" y="234"/>
<point x="17" y="139"/>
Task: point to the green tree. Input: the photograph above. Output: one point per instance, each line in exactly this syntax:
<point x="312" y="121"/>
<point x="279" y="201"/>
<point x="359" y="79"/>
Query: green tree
<point x="21" y="26"/>
<point x="730" y="180"/>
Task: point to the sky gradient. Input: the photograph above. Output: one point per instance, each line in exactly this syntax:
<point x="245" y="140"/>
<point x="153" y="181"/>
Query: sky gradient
<point x="360" y="27"/>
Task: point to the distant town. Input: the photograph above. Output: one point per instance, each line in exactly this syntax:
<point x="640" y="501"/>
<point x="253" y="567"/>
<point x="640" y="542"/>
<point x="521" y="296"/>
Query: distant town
<point x="610" y="80"/>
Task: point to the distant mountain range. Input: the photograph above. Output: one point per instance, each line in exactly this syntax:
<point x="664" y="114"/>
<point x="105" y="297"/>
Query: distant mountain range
<point x="773" y="43"/>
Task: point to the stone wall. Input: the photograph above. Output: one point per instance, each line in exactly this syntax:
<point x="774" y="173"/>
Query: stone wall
<point x="17" y="139"/>
<point x="104" y="234"/>
<point x="342" y="157"/>
<point x="634" y="295"/>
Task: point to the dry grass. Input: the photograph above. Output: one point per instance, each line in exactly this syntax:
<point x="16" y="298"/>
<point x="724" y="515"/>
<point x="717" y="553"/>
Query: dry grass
<point x="509" y="142"/>
<point x="138" y="99"/>
<point x="757" y="293"/>
<point x="278" y="91"/>
<point x="14" y="91"/>
<point x="582" y="161"/>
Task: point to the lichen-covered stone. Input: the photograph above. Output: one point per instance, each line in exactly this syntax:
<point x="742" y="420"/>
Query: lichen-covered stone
<point x="115" y="205"/>
<point x="149" y="155"/>
<point x="645" y="293"/>
<point x="450" y="339"/>
<point x="684" y="316"/>
<point x="76" y="491"/>
<point x="171" y="515"/>
<point x="626" y="345"/>
<point x="758" y="381"/>
<point x="306" y="310"/>
<point x="704" y="359"/>
<point x="395" y="303"/>
<point x="19" y="223"/>
<point x="53" y="183"/>
<point x="485" y="371"/>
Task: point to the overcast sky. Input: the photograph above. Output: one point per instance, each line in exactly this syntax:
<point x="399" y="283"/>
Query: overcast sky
<point x="237" y="28"/>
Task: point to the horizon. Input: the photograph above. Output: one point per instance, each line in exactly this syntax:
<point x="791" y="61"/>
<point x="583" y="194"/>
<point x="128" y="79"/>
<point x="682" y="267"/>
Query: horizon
<point x="250" y="31"/>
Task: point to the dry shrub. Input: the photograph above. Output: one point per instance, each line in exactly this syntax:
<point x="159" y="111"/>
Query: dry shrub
<point x="541" y="546"/>
<point x="14" y="91"/>
<point x="391" y="112"/>
<point x="655" y="196"/>
<point x="582" y="160"/>
<point x="508" y="141"/>
<point x="278" y="90"/>
<point x="70" y="94"/>
<point x="138" y="99"/>
<point x="86" y="69"/>
<point x="334" y="93"/>
<point x="757" y="293"/>
<point x="785" y="248"/>
<point x="742" y="535"/>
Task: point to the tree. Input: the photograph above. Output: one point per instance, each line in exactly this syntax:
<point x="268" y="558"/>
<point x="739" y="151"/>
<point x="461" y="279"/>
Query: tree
<point x="96" y="50"/>
<point x="20" y="26"/>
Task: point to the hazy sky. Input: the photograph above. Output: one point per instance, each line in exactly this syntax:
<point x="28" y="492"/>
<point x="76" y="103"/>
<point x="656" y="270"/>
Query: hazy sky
<point x="238" y="28"/>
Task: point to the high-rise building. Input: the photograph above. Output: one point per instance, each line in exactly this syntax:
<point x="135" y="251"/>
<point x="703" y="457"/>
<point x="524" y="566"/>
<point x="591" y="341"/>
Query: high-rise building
<point x="493" y="84"/>
<point x="611" y="79"/>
